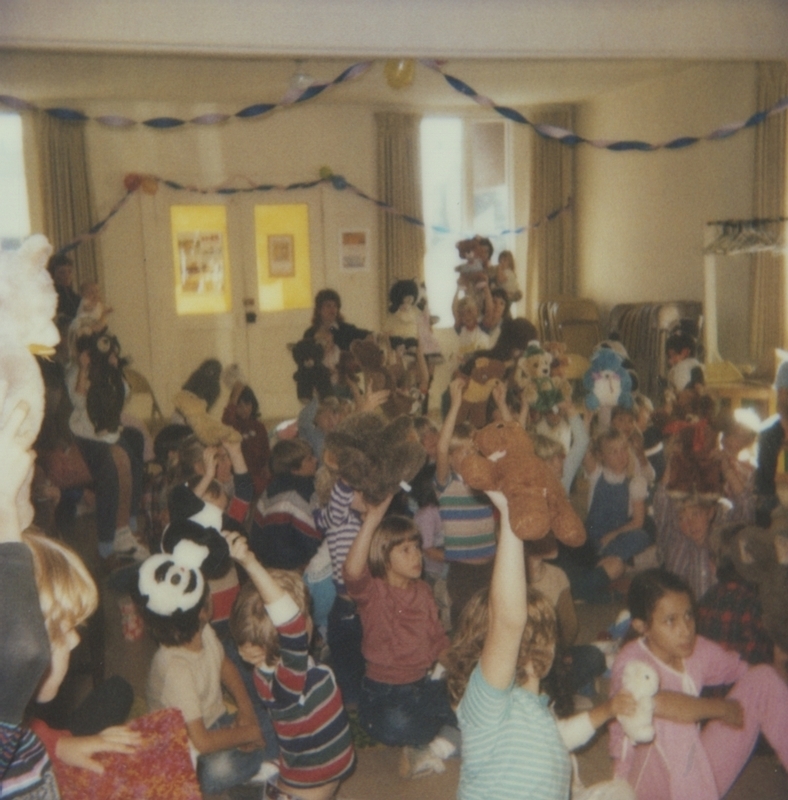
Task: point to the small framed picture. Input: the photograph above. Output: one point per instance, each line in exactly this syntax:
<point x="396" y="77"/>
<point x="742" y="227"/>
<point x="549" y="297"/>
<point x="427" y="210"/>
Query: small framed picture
<point x="281" y="256"/>
<point x="353" y="254"/>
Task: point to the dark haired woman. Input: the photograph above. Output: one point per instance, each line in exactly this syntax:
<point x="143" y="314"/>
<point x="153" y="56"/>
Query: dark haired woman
<point x="327" y="317"/>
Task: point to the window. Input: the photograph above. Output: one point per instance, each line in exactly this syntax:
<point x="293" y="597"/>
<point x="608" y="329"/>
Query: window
<point x="465" y="191"/>
<point x="14" y="211"/>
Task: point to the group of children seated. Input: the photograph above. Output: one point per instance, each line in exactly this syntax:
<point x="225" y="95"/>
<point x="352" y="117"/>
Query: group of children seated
<point x="314" y="601"/>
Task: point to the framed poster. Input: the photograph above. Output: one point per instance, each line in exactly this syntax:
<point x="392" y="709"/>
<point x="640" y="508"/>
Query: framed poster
<point x="284" y="280"/>
<point x="201" y="259"/>
<point x="281" y="261"/>
<point x="353" y="254"/>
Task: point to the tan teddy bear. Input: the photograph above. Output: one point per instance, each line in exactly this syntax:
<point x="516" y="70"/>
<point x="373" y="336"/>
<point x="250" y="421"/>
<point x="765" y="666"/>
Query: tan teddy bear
<point x="486" y="373"/>
<point x="506" y="462"/>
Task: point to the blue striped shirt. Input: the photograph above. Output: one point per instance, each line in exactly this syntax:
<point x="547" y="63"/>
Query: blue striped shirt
<point x="511" y="747"/>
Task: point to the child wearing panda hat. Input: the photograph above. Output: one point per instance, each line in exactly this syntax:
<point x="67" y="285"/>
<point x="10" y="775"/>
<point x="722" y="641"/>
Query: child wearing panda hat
<point x="190" y="667"/>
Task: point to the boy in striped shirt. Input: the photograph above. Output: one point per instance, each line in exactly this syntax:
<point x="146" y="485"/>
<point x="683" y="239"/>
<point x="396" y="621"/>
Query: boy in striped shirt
<point x="272" y="628"/>
<point x="467" y="516"/>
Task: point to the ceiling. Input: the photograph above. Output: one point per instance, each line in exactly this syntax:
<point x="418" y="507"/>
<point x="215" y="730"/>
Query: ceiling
<point x="48" y="78"/>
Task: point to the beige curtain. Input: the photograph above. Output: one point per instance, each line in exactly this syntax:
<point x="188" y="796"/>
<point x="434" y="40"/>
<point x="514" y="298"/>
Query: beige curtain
<point x="551" y="246"/>
<point x="401" y="243"/>
<point x="767" y="316"/>
<point x="65" y="191"/>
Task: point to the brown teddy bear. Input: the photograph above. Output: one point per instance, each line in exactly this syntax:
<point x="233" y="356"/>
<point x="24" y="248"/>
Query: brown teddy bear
<point x="542" y="392"/>
<point x="374" y="456"/>
<point x="383" y="368"/>
<point x="506" y="462"/>
<point x="486" y="373"/>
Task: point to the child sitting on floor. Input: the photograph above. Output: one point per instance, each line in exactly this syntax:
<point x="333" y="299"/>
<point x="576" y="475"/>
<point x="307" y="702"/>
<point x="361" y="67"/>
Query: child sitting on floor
<point x="401" y="704"/>
<point x="272" y="628"/>
<point x="190" y="669"/>
<point x="243" y="413"/>
<point x="617" y="499"/>
<point x="503" y="648"/>
<point x="685" y="760"/>
<point x="283" y="534"/>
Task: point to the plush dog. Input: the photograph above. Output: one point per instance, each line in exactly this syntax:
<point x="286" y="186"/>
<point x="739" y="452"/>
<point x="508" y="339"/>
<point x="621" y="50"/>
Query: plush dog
<point x="642" y="682"/>
<point x="506" y="462"/>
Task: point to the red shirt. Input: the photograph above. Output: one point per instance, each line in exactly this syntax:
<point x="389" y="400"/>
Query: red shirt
<point x="403" y="635"/>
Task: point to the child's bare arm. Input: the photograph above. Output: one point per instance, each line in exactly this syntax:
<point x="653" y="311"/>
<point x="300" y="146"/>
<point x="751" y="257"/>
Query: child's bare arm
<point x="358" y="555"/>
<point x="620" y="703"/>
<point x="236" y="455"/>
<point x="233" y="682"/>
<point x="508" y="609"/>
<point x="269" y="589"/>
<point x="499" y="396"/>
<point x="206" y="741"/>
<point x="679" y="707"/>
<point x="456" y="388"/>
<point x="209" y="471"/>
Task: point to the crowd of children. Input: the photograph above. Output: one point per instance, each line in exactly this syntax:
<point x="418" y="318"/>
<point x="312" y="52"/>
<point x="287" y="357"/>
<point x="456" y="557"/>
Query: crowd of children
<point x="278" y="579"/>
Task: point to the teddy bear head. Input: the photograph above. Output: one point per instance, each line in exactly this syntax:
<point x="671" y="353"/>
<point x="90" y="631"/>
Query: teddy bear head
<point x="374" y="456"/>
<point x="500" y="437"/>
<point x="368" y="354"/>
<point x="640" y="679"/>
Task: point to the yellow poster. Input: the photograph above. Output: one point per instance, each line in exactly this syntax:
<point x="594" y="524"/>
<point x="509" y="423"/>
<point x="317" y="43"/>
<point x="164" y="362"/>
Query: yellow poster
<point x="284" y="279"/>
<point x="202" y="264"/>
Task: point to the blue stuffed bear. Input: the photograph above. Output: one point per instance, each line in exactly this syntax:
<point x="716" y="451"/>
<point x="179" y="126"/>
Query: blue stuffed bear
<point x="606" y="381"/>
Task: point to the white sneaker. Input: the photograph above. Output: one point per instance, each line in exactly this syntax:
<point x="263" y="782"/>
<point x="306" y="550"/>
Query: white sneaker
<point x="418" y="762"/>
<point x="127" y="544"/>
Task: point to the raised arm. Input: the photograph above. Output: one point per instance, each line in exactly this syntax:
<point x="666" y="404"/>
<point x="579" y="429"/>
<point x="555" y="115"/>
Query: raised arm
<point x="442" y="469"/>
<point x="357" y="558"/>
<point x="508" y="611"/>
<point x="269" y="589"/>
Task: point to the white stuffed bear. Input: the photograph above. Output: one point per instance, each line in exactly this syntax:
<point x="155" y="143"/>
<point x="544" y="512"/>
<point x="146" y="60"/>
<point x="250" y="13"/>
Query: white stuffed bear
<point x="28" y="302"/>
<point x="642" y="682"/>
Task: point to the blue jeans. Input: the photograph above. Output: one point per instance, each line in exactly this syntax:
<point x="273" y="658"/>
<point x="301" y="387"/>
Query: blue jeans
<point x="627" y="545"/>
<point x="587" y="663"/>
<point x="271" y="750"/>
<point x="344" y="641"/>
<point x="220" y="771"/>
<point x="405" y="714"/>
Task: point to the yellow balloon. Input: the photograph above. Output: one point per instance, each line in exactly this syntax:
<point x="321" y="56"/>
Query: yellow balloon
<point x="400" y="72"/>
<point x="149" y="185"/>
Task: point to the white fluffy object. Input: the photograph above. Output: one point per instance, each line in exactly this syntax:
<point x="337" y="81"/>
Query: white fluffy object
<point x="28" y="303"/>
<point x="642" y="682"/>
<point x="173" y="582"/>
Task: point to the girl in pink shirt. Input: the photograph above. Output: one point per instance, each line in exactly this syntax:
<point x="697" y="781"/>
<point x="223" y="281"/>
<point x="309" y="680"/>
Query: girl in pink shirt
<point x="401" y="703"/>
<point x="684" y="760"/>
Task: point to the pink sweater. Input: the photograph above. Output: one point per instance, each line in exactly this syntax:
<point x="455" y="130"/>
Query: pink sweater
<point x="402" y="633"/>
<point x="675" y="765"/>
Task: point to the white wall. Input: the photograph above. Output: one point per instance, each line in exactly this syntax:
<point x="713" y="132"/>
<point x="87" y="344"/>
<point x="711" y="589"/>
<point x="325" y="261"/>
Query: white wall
<point x="641" y="216"/>
<point x="287" y="147"/>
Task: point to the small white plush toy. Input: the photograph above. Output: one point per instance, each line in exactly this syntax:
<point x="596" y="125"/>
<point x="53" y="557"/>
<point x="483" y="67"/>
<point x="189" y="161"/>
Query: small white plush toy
<point x="642" y="682"/>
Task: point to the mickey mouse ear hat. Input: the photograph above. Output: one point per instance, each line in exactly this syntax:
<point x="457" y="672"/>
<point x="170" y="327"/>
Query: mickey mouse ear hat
<point x="173" y="582"/>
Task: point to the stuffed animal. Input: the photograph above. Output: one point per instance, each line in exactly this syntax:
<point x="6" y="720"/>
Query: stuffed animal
<point x="402" y="321"/>
<point x="106" y="392"/>
<point x="760" y="556"/>
<point x="486" y="373"/>
<point x="642" y="682"/>
<point x="606" y="382"/>
<point x="28" y="303"/>
<point x="694" y="466"/>
<point x="209" y="430"/>
<point x="312" y="375"/>
<point x="384" y="368"/>
<point x="205" y="382"/>
<point x="506" y="462"/>
<point x="614" y="343"/>
<point x="374" y="456"/>
<point x="542" y="392"/>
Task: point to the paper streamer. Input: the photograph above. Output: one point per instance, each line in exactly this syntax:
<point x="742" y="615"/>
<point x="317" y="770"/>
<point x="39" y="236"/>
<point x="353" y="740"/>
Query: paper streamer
<point x="133" y="182"/>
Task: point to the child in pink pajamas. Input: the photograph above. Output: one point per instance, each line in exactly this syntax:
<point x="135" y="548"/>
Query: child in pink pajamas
<point x="684" y="761"/>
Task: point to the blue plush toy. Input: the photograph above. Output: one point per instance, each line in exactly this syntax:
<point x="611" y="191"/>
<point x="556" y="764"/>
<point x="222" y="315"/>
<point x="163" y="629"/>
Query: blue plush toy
<point x="606" y="381"/>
